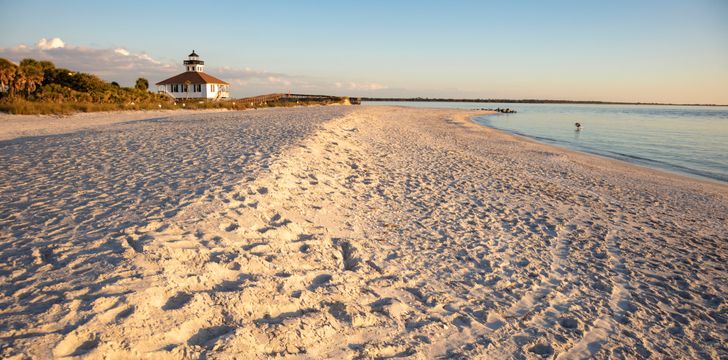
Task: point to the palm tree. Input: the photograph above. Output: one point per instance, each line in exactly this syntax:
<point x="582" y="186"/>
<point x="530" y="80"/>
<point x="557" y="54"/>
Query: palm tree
<point x="33" y="77"/>
<point x="32" y="74"/>
<point x="19" y="82"/>
<point x="8" y="71"/>
<point x="46" y="65"/>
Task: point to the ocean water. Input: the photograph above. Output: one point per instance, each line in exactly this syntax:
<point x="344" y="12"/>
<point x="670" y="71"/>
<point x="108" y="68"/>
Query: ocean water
<point x="692" y="140"/>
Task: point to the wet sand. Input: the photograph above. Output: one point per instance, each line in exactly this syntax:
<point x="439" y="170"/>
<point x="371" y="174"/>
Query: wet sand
<point x="350" y="232"/>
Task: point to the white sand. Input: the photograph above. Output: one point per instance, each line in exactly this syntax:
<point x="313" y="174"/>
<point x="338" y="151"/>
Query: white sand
<point x="15" y="126"/>
<point x="340" y="232"/>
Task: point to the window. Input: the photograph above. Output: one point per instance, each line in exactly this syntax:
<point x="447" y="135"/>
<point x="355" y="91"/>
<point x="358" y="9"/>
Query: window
<point x="184" y="88"/>
<point x="212" y="87"/>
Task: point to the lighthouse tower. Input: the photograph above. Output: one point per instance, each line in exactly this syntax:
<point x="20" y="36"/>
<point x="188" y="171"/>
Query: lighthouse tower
<point x="193" y="63"/>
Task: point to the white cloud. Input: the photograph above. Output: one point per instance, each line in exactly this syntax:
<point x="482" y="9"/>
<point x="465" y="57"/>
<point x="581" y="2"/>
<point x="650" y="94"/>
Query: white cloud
<point x="279" y="80"/>
<point x="149" y="58"/>
<point x="122" y="51"/>
<point x="364" y="86"/>
<point x="252" y="82"/>
<point x="117" y="64"/>
<point x="45" y="44"/>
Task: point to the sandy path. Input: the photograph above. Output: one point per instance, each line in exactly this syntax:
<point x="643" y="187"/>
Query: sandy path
<point x="16" y="126"/>
<point x="388" y="232"/>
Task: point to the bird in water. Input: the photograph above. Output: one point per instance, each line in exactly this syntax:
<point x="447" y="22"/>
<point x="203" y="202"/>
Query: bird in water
<point x="578" y="126"/>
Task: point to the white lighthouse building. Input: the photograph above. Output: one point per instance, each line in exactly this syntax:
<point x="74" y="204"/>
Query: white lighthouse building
<point x="194" y="83"/>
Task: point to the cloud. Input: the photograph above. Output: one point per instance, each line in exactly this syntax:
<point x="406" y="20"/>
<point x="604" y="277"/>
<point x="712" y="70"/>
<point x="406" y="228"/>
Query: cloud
<point x="122" y="51"/>
<point x="117" y="64"/>
<point x="279" y="80"/>
<point x="125" y="66"/>
<point x="248" y="75"/>
<point x="46" y="44"/>
<point x="365" y="86"/>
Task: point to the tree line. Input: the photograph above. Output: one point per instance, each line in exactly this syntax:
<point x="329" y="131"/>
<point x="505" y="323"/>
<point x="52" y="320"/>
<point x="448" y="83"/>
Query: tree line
<point x="42" y="82"/>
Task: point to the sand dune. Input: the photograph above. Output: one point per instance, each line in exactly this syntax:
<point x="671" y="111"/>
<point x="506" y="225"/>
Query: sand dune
<point x="334" y="232"/>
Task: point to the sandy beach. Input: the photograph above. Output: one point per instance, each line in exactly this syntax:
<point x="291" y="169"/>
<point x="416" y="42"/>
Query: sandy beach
<point x="17" y="126"/>
<point x="347" y="232"/>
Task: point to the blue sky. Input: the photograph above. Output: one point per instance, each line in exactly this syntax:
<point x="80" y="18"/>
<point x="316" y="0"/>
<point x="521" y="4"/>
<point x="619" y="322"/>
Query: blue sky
<point x="667" y="51"/>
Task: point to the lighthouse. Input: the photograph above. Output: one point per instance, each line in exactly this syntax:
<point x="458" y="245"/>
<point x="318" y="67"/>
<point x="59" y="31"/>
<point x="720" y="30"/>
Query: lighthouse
<point x="194" y="83"/>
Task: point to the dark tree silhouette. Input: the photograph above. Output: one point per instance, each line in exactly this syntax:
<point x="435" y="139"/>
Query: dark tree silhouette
<point x="142" y="84"/>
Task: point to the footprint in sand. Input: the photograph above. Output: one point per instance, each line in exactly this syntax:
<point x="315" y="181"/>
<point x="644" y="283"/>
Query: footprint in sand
<point x="568" y="323"/>
<point x="177" y="301"/>
<point x="75" y="344"/>
<point x="232" y="227"/>
<point x="543" y="350"/>
<point x="319" y="281"/>
<point x="206" y="336"/>
<point x="123" y="314"/>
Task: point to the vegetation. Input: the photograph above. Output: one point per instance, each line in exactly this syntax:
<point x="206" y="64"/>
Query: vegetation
<point x="142" y="84"/>
<point x="38" y="87"/>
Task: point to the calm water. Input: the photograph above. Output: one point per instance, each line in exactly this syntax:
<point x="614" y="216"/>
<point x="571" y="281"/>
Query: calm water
<point x="687" y="139"/>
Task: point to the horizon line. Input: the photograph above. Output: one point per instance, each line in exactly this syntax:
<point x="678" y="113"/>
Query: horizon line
<point x="530" y="101"/>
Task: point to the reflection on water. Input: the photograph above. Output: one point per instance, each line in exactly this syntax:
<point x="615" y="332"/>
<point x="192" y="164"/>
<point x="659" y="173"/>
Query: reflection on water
<point x="687" y="139"/>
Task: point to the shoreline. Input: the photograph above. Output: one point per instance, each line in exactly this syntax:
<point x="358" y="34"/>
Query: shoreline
<point x="342" y="232"/>
<point x="643" y="166"/>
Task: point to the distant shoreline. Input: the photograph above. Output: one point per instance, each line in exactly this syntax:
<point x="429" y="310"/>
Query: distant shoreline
<point x="531" y="101"/>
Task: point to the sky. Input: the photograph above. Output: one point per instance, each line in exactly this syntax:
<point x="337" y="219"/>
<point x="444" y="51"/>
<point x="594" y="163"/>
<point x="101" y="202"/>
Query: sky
<point x="647" y="51"/>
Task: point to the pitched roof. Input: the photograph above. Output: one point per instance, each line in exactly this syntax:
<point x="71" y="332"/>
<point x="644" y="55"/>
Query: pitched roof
<point x="194" y="77"/>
